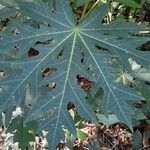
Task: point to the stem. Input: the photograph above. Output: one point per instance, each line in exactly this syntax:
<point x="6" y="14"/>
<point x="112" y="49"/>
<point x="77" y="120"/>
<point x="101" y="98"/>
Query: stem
<point x="109" y="15"/>
<point x="85" y="7"/>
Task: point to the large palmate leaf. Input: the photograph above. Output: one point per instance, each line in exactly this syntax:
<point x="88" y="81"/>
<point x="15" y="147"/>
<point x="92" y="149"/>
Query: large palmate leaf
<point x="68" y="50"/>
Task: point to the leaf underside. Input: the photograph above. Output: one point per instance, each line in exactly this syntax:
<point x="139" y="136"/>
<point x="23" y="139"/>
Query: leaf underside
<point x="61" y="44"/>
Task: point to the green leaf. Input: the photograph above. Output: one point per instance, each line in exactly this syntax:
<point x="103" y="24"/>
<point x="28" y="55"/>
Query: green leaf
<point x="8" y="2"/>
<point x="137" y="140"/>
<point x="6" y="13"/>
<point x="92" y="146"/>
<point x="139" y="115"/>
<point x="24" y="133"/>
<point x="78" y="3"/>
<point x="130" y="3"/>
<point x="69" y="49"/>
<point x="81" y="135"/>
<point x="111" y="119"/>
<point x="13" y="3"/>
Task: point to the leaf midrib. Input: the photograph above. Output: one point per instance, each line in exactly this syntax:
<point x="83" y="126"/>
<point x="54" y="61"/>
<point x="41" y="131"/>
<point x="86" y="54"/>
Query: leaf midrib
<point x="65" y="85"/>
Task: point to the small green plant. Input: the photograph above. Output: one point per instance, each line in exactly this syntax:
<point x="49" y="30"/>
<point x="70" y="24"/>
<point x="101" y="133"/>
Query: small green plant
<point x="44" y="50"/>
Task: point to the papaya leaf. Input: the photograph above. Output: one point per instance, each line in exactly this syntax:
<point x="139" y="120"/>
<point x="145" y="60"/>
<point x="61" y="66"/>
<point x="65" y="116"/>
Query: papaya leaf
<point x="66" y="49"/>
